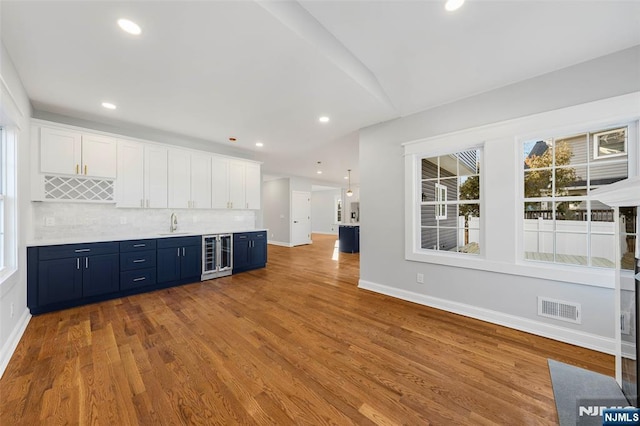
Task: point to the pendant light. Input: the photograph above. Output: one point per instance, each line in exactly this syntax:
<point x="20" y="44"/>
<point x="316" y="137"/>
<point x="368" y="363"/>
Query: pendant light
<point x="349" y="191"/>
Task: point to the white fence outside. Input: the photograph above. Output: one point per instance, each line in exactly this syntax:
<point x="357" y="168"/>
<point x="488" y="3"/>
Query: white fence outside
<point x="571" y="238"/>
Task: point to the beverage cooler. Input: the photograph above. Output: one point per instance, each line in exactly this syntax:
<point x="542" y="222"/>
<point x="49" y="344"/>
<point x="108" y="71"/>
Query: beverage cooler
<point x="217" y="256"/>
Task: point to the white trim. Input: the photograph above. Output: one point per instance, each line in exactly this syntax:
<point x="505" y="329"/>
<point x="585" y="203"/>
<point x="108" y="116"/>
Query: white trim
<point x="565" y="335"/>
<point x="6" y="352"/>
<point x="12" y="110"/>
<point x="279" y="243"/>
<point x="323" y="233"/>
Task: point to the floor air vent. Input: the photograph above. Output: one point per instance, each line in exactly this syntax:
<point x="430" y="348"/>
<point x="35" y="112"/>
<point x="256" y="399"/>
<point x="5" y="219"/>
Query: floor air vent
<point x="560" y="310"/>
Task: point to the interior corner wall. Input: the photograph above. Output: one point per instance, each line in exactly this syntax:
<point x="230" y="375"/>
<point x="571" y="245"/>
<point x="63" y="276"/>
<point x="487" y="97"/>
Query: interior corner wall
<point x="510" y="299"/>
<point x="13" y="291"/>
<point x="276" y="205"/>
<point x="323" y="218"/>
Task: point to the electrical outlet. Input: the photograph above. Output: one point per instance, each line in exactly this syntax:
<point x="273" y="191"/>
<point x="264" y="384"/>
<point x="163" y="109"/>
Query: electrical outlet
<point x="123" y="220"/>
<point x="420" y="278"/>
<point x="49" y="221"/>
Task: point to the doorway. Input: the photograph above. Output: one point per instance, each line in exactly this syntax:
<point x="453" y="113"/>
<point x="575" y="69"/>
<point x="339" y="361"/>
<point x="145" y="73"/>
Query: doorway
<point x="300" y="218"/>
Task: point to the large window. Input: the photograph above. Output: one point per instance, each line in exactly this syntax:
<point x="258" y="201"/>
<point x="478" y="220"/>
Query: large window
<point x="450" y="202"/>
<point x="561" y="223"/>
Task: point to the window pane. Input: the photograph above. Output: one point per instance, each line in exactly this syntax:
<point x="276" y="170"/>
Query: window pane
<point x="628" y="236"/>
<point x="449" y="219"/>
<point x="609" y="143"/>
<point x="428" y="215"/>
<point x="604" y="173"/>
<point x="571" y="150"/>
<point x="452" y="188"/>
<point x="469" y="228"/>
<point x="468" y="162"/>
<point x="571" y="248"/>
<point x="537" y="154"/>
<point x="573" y="214"/>
<point x="447" y="239"/>
<point x="603" y="248"/>
<point x="469" y="187"/>
<point x="571" y="181"/>
<point x="537" y="183"/>
<point x="538" y="210"/>
<point x="602" y="218"/>
<point x="539" y="246"/>
<point x="448" y="166"/>
<point x="429" y="239"/>
<point x="429" y="168"/>
<point x="429" y="190"/>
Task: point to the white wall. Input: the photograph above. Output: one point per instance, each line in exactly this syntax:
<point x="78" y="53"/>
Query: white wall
<point x="276" y="210"/>
<point x="15" y="109"/>
<point x="323" y="211"/>
<point x="497" y="297"/>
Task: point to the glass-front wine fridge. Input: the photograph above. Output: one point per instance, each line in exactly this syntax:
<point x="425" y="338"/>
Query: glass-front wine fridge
<point x="217" y="256"/>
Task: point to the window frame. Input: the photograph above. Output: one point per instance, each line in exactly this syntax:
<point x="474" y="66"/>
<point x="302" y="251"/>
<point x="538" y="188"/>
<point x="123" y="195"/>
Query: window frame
<point x="501" y="143"/>
<point x="596" y="145"/>
<point x="554" y="198"/>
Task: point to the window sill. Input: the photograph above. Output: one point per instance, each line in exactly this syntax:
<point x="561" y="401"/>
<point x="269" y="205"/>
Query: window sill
<point x="6" y="279"/>
<point x="597" y="277"/>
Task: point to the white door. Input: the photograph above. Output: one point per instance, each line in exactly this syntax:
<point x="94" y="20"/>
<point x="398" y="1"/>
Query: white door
<point x="301" y="218"/>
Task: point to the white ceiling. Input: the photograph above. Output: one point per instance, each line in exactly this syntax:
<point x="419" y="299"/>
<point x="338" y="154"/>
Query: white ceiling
<point x="266" y="71"/>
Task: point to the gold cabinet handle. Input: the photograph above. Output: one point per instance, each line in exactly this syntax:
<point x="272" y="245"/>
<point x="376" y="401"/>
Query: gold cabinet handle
<point x="77" y="169"/>
<point x="85" y="169"/>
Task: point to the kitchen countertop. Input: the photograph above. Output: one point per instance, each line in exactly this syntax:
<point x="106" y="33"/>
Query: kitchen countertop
<point x="125" y="237"/>
<point x="349" y="224"/>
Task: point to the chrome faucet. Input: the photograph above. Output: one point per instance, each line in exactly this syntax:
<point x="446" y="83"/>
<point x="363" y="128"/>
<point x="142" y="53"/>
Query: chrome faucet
<point x="174" y="222"/>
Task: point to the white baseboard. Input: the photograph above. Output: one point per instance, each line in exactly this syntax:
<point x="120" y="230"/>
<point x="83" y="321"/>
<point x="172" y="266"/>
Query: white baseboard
<point x="574" y="337"/>
<point x="278" y="243"/>
<point x="12" y="342"/>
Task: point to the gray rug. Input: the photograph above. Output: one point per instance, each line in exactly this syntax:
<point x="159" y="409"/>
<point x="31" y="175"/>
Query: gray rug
<point x="579" y="393"/>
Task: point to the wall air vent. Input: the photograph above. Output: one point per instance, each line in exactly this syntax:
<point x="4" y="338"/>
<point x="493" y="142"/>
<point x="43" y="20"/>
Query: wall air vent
<point x="560" y="310"/>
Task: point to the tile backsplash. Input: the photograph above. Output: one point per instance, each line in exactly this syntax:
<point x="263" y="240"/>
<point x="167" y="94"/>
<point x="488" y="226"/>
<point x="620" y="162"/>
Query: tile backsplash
<point x="53" y="221"/>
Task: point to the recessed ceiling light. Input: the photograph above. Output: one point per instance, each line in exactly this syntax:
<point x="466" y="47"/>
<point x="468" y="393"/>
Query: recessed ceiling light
<point x="108" y="105"/>
<point x="259" y="144"/>
<point x="346" y="177"/>
<point x="452" y="5"/>
<point x="129" y="26"/>
<point x="319" y="172"/>
<point x="323" y="119"/>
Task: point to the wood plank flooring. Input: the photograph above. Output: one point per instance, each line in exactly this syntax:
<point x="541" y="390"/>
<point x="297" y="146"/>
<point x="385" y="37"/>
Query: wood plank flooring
<point x="294" y="343"/>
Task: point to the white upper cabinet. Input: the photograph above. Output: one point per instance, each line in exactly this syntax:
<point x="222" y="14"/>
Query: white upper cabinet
<point x="189" y="180"/>
<point x="130" y="179"/>
<point x="179" y="179"/>
<point x="220" y="183"/>
<point x="236" y="184"/>
<point x="253" y="187"/>
<point x="142" y="175"/>
<point x="156" y="177"/>
<point x="74" y="153"/>
<point x="200" y="181"/>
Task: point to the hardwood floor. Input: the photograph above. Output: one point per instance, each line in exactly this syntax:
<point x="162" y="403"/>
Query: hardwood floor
<point x="294" y="343"/>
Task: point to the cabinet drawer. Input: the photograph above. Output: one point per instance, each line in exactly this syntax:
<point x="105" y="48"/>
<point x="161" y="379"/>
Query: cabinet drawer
<point x="137" y="278"/>
<point x="179" y="241"/>
<point x="138" y="260"/>
<point x="74" y="250"/>
<point x="137" y="245"/>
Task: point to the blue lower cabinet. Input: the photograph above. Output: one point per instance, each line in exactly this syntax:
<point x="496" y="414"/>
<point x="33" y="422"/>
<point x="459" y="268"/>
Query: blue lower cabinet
<point x="101" y="275"/>
<point x="63" y="276"/>
<point x="179" y="259"/>
<point x="249" y="251"/>
<point x="66" y="275"/>
<point x="137" y="278"/>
